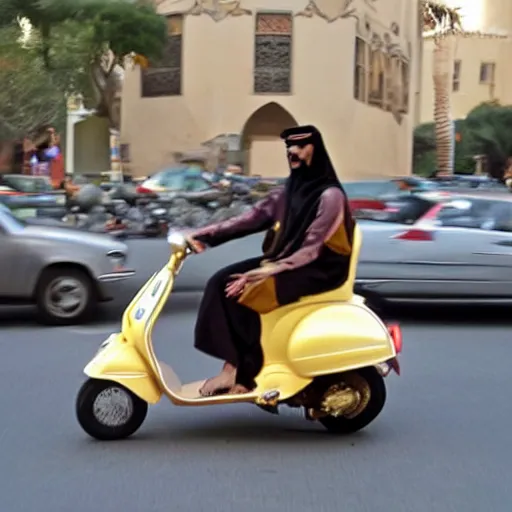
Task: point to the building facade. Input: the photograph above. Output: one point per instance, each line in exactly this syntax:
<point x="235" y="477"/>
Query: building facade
<point x="480" y="58"/>
<point x="243" y="70"/>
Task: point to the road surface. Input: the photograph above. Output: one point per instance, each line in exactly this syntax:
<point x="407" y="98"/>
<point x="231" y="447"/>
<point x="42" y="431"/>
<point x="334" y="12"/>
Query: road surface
<point x="441" y="444"/>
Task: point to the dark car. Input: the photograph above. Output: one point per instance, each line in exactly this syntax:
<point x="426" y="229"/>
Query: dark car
<point x="31" y="196"/>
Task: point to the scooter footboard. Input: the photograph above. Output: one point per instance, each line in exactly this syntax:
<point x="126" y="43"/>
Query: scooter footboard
<point x="120" y="362"/>
<point x="337" y="338"/>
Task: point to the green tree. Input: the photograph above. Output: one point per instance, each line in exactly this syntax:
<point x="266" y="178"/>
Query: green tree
<point x="29" y="96"/>
<point x="88" y="42"/>
<point x="490" y="125"/>
<point x="425" y="161"/>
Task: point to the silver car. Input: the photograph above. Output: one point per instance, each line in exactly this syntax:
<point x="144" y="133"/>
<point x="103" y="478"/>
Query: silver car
<point x="439" y="248"/>
<point x="62" y="271"/>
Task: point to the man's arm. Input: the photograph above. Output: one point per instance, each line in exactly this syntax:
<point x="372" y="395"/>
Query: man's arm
<point x="259" y="218"/>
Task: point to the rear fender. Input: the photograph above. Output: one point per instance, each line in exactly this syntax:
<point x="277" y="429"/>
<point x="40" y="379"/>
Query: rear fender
<point x="120" y="362"/>
<point x="339" y="337"/>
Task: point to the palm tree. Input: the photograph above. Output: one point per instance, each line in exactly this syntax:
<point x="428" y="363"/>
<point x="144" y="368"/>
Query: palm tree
<point x="440" y="23"/>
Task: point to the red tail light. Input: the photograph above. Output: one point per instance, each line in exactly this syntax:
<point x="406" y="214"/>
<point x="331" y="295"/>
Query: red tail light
<point x="143" y="190"/>
<point x="396" y="335"/>
<point x="416" y="235"/>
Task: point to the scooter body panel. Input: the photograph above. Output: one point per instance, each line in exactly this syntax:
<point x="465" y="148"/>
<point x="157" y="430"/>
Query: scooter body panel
<point x="337" y="338"/>
<point x="119" y="361"/>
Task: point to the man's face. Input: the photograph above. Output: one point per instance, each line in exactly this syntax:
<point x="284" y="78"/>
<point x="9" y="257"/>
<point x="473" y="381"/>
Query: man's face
<point x="300" y="150"/>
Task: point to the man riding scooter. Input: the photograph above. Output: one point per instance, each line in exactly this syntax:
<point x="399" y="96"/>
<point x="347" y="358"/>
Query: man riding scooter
<point x="307" y="252"/>
<point x="287" y="325"/>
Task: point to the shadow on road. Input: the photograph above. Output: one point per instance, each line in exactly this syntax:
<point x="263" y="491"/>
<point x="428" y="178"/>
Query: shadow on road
<point x="200" y="428"/>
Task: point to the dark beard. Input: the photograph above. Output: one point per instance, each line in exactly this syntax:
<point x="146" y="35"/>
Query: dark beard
<point x="295" y="159"/>
<point x="304" y="169"/>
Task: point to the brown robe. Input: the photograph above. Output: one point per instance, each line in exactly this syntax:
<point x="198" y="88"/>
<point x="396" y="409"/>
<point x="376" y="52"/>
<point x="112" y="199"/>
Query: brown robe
<point x="229" y="329"/>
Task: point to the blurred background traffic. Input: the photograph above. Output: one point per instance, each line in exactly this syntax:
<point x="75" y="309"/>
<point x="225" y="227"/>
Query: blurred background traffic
<point x="432" y="195"/>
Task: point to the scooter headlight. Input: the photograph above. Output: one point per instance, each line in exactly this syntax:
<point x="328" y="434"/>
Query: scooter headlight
<point x="177" y="241"/>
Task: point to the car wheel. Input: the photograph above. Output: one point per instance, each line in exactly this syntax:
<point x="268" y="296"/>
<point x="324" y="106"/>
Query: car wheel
<point x="108" y="411"/>
<point x="65" y="296"/>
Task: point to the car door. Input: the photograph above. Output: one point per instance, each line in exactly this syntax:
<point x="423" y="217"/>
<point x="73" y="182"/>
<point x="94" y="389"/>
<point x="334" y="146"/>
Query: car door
<point x="5" y="262"/>
<point x="389" y="263"/>
<point x="454" y="263"/>
<point x="494" y="254"/>
<point x="9" y="261"/>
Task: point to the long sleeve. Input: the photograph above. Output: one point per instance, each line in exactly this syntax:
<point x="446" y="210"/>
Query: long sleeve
<point x="329" y="217"/>
<point x="258" y="218"/>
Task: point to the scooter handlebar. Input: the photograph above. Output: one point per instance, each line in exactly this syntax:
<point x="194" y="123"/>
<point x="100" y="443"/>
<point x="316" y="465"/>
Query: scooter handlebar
<point x="180" y="242"/>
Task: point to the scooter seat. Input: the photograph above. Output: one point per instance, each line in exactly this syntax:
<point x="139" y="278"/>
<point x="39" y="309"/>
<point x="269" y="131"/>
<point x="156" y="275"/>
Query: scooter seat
<point x="342" y="294"/>
<point x="345" y="292"/>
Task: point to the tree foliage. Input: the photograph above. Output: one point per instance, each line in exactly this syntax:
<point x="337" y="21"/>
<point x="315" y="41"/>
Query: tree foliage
<point x="29" y="96"/>
<point x="85" y="43"/>
<point x="486" y="131"/>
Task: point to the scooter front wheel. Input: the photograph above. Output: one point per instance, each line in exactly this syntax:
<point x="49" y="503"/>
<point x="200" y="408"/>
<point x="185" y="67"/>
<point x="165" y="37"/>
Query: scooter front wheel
<point x="108" y="411"/>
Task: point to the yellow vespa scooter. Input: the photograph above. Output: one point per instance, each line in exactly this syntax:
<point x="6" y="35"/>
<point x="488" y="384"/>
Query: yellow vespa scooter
<point x="327" y="353"/>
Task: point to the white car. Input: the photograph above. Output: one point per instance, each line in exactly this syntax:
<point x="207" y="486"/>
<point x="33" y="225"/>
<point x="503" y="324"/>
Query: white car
<point x="64" y="272"/>
<point x="439" y="248"/>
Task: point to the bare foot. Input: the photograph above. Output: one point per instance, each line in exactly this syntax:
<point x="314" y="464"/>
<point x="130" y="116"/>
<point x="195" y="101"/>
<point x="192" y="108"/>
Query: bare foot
<point x="225" y="380"/>
<point x="238" y="389"/>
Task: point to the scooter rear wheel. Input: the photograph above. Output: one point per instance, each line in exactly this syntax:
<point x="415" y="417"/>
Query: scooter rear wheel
<point x="377" y="399"/>
<point x="119" y="418"/>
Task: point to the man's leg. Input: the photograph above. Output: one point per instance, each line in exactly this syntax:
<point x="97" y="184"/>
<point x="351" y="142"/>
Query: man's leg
<point x="217" y="333"/>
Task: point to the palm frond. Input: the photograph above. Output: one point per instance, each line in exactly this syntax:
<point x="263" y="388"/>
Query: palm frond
<point x="438" y="18"/>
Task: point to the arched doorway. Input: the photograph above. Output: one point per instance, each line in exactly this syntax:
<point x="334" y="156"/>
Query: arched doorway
<point x="263" y="149"/>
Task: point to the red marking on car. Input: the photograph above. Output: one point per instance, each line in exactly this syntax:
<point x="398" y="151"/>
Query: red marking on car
<point x="143" y="190"/>
<point x="416" y="235"/>
<point x="423" y="229"/>
<point x="366" y="204"/>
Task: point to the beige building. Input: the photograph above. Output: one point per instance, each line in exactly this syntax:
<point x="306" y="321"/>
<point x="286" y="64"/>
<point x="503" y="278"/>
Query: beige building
<point x="481" y="58"/>
<point x="242" y="71"/>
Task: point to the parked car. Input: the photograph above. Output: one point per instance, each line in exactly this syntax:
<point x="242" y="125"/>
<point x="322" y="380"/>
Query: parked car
<point x="174" y="179"/>
<point x="370" y="195"/>
<point x="32" y="196"/>
<point x="64" y="272"/>
<point x="377" y="189"/>
<point x="439" y="248"/>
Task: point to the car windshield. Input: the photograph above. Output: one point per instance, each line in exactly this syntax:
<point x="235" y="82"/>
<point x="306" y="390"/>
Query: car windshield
<point x="175" y="177"/>
<point x="369" y="189"/>
<point x="9" y="221"/>
<point x="475" y="213"/>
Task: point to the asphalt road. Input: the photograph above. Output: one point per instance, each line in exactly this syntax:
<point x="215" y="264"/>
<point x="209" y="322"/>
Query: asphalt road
<point x="440" y="444"/>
